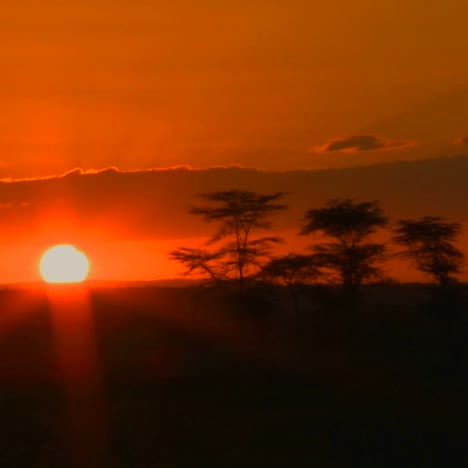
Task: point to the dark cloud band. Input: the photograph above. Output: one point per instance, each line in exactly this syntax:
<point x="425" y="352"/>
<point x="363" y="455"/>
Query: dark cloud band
<point x="154" y="204"/>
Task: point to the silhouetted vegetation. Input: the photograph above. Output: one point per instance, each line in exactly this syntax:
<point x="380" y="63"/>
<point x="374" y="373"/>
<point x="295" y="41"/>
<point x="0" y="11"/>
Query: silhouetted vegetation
<point x="239" y="214"/>
<point x="347" y="251"/>
<point x="429" y="244"/>
<point x="293" y="269"/>
<point x="199" y="261"/>
<point x="344" y="250"/>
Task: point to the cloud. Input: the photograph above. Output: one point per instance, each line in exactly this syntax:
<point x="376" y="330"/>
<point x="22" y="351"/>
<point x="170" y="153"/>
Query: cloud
<point x="359" y="143"/>
<point x="462" y="141"/>
<point x="110" y="204"/>
<point x="78" y="171"/>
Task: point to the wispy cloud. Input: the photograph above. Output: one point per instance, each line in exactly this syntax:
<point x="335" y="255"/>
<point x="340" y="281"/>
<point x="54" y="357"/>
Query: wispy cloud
<point x="360" y="143"/>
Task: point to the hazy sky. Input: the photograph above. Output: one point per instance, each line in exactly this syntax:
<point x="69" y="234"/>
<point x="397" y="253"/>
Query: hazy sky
<point x="264" y="83"/>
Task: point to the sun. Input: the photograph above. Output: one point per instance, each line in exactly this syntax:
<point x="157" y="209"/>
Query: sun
<point x="64" y="264"/>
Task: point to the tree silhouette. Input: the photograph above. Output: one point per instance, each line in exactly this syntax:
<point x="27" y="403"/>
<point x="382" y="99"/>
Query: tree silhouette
<point x="292" y="269"/>
<point x="239" y="213"/>
<point x="429" y="244"/>
<point x="198" y="260"/>
<point x="347" y="226"/>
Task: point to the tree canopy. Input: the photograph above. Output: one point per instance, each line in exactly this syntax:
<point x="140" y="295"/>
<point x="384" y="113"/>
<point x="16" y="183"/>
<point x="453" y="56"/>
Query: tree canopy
<point x="346" y="226"/>
<point x="239" y="214"/>
<point x="430" y="243"/>
<point x="292" y="269"/>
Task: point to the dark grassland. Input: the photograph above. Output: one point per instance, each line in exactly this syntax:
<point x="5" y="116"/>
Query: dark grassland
<point x="196" y="377"/>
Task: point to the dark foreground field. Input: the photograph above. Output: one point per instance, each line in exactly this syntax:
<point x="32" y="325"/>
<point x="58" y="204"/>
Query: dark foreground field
<point x="166" y="377"/>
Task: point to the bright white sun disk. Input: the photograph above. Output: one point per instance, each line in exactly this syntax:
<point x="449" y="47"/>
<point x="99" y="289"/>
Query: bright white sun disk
<point x="64" y="264"/>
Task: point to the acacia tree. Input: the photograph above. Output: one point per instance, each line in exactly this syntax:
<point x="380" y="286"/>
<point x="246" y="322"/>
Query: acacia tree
<point x="292" y="269"/>
<point x="429" y="243"/>
<point x="239" y="214"/>
<point x="198" y="260"/>
<point x="347" y="251"/>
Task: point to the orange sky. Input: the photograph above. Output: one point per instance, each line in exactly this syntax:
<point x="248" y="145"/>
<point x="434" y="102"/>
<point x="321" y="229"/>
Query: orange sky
<point x="127" y="222"/>
<point x="274" y="85"/>
<point x="147" y="83"/>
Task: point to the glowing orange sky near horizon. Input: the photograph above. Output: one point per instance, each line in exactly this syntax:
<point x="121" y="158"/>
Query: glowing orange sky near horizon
<point x="147" y="260"/>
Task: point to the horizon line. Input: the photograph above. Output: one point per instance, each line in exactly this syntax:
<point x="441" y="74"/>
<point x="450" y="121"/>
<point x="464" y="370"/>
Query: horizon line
<point x="79" y="171"/>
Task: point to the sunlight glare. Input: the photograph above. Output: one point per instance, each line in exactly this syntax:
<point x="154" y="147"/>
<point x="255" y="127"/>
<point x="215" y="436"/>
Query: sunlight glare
<point x="64" y="264"/>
